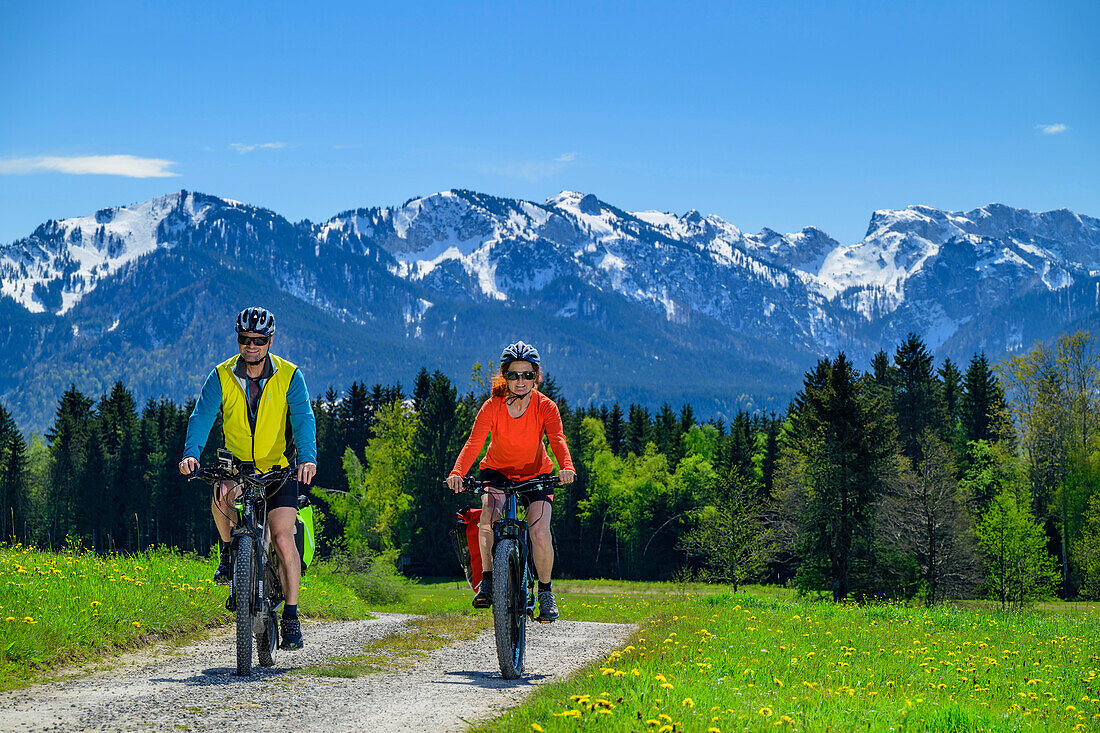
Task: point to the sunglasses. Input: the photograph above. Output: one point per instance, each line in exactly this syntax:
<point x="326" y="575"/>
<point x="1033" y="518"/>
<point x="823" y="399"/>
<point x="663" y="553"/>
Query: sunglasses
<point x="513" y="376"/>
<point x="258" y="340"/>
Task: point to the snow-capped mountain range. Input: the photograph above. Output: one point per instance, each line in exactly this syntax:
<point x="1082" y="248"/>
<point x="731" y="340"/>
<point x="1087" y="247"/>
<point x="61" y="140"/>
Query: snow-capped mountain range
<point x="453" y="275"/>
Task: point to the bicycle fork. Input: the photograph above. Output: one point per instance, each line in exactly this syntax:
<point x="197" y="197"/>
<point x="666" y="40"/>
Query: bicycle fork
<point x="508" y="527"/>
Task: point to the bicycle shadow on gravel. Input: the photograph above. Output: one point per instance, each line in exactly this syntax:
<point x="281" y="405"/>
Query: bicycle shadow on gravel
<point x="489" y="680"/>
<point x="222" y="676"/>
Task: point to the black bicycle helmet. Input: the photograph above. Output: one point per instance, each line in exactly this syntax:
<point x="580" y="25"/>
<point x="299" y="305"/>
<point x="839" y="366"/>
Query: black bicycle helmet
<point x="519" y="351"/>
<point x="256" y="320"/>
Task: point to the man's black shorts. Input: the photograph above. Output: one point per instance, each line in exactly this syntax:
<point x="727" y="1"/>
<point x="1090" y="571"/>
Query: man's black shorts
<point x="287" y="495"/>
<point x="544" y="493"/>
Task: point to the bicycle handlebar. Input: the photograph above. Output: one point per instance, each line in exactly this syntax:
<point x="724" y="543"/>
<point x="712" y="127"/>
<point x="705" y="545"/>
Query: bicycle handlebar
<point x="216" y="474"/>
<point x="478" y="486"/>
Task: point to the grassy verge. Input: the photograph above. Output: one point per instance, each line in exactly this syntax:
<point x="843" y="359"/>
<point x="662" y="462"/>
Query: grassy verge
<point x="401" y="650"/>
<point x="759" y="661"/>
<point x="68" y="608"/>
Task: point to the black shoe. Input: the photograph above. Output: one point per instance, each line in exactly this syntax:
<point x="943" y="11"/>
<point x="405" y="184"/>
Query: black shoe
<point x="292" y="633"/>
<point x="484" y="597"/>
<point x="224" y="574"/>
<point x="231" y="603"/>
<point x="548" y="609"/>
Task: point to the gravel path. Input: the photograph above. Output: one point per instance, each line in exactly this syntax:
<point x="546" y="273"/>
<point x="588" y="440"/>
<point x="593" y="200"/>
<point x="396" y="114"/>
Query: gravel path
<point x="196" y="688"/>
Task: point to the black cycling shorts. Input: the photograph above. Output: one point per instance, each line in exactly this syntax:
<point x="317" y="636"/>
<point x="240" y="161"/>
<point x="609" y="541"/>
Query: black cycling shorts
<point x="544" y="493"/>
<point x="287" y="495"/>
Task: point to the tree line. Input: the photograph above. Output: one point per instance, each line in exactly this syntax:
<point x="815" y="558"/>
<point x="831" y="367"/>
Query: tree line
<point x="909" y="480"/>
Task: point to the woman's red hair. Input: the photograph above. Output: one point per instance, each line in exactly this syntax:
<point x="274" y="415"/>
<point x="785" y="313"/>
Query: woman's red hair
<point x="500" y="384"/>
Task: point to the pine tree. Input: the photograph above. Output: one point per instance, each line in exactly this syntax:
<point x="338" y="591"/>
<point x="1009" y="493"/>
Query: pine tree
<point x="638" y="430"/>
<point x="124" y="499"/>
<point x="616" y="431"/>
<point x="918" y="401"/>
<point x="666" y="434"/>
<point x="842" y="440"/>
<point x="13" y="481"/>
<point x="983" y="414"/>
<point x="68" y="440"/>
<point x="354" y="415"/>
<point x="442" y="428"/>
<point x="951" y="380"/>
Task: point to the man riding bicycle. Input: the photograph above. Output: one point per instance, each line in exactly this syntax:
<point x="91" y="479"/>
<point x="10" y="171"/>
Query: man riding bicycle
<point x="258" y="393"/>
<point x="517" y="415"/>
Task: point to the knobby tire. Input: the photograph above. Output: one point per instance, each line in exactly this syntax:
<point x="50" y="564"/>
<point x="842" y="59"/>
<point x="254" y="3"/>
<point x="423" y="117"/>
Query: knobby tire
<point x="268" y="641"/>
<point x="244" y="580"/>
<point x="509" y="608"/>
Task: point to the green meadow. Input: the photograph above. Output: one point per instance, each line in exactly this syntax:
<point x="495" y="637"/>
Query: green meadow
<point x="68" y="608"/>
<point x="764" y="660"/>
<point x="702" y="659"/>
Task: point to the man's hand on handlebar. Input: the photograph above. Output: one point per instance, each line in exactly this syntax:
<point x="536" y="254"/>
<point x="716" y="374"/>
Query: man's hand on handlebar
<point x="566" y="476"/>
<point x="189" y="465"/>
<point x="454" y="483"/>
<point x="306" y="472"/>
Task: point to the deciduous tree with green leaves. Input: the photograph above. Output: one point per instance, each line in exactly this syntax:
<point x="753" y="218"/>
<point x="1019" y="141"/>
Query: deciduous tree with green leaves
<point x="1019" y="570"/>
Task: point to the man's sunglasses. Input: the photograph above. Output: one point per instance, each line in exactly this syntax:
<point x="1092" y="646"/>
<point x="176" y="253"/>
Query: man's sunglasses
<point x="513" y="376"/>
<point x="258" y="340"/>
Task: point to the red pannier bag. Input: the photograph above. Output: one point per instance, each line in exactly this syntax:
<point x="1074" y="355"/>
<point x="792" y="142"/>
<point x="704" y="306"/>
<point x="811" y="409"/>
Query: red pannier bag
<point x="467" y="548"/>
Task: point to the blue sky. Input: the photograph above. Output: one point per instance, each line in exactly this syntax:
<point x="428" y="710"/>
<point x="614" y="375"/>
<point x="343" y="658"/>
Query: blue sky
<point x="778" y="114"/>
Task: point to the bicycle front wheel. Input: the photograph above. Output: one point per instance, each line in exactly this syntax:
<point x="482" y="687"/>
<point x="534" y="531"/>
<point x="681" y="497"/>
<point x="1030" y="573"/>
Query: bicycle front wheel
<point x="244" y="580"/>
<point x="509" y="608"/>
<point x="268" y="641"/>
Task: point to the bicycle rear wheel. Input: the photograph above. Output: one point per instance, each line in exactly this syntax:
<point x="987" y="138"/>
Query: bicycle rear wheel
<point x="244" y="580"/>
<point x="509" y="608"/>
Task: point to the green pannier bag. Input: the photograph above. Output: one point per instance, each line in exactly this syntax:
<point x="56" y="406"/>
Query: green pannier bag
<point x="303" y="536"/>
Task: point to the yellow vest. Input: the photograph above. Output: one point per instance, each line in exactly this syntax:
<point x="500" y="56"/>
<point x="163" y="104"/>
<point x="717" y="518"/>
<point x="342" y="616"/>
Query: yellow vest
<point x="267" y="446"/>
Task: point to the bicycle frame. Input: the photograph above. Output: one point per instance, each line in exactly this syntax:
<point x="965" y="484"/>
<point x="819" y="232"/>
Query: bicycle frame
<point x="257" y="590"/>
<point x="510" y="526"/>
<point x="253" y="523"/>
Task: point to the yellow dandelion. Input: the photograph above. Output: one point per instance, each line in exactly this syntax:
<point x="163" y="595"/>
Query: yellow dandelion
<point x="651" y="721"/>
<point x="10" y="618"/>
<point x="136" y="624"/>
<point x="29" y="620"/>
<point x="665" y="717"/>
<point x="660" y="678"/>
<point x="665" y="729"/>
<point x="666" y="686"/>
<point x="688" y="702"/>
<point x="766" y="712"/>
<point x="536" y="727"/>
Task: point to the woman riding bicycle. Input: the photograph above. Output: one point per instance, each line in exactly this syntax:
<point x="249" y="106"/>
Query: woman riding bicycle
<point x="517" y="415"/>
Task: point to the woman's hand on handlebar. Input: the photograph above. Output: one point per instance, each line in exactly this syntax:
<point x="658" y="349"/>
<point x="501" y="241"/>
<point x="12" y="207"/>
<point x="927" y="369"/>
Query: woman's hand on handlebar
<point x="454" y="483"/>
<point x="566" y="476"/>
<point x="189" y="465"/>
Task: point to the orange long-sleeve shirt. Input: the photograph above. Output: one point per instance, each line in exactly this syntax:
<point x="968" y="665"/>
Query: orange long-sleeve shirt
<point x="516" y="449"/>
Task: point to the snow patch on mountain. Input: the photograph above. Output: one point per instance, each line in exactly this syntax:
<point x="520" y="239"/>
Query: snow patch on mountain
<point x="77" y="253"/>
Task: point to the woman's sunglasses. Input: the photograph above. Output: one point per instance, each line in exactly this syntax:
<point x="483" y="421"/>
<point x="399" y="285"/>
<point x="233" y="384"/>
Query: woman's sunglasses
<point x="513" y="376"/>
<point x="258" y="340"/>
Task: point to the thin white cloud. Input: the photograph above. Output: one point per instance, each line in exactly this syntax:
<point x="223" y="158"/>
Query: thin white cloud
<point x="532" y="170"/>
<point x="242" y="148"/>
<point x="1055" y="129"/>
<point x="129" y="166"/>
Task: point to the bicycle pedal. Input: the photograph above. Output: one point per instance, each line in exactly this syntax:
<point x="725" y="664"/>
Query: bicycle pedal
<point x="231" y="603"/>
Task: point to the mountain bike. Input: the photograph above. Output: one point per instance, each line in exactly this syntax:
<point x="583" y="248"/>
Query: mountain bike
<point x="257" y="591"/>
<point x="513" y="572"/>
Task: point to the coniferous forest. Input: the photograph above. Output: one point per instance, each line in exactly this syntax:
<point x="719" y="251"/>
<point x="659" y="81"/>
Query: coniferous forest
<point x="912" y="480"/>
